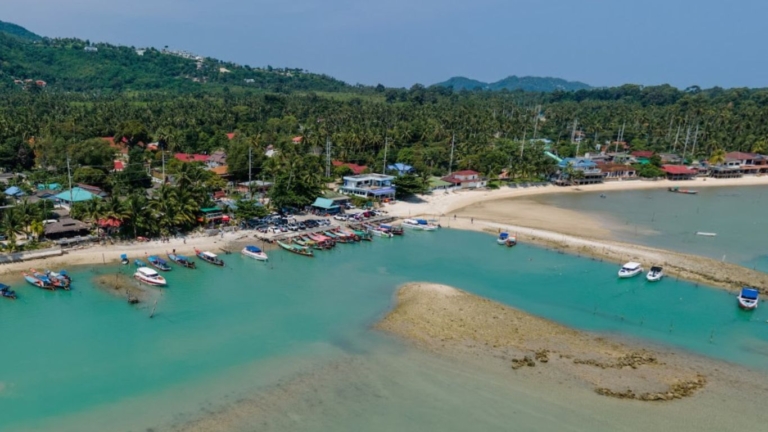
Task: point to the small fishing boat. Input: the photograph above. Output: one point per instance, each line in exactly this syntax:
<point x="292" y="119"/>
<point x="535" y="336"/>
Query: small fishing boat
<point x="209" y="257"/>
<point x="255" y="253"/>
<point x="630" y="269"/>
<point x="149" y="276"/>
<point x="139" y="263"/>
<point x="124" y="259"/>
<point x="706" y="234"/>
<point x="47" y="280"/>
<point x="182" y="260"/>
<point x="57" y="279"/>
<point x="683" y="191"/>
<point x="37" y="282"/>
<point x="379" y="232"/>
<point x="351" y="235"/>
<point x="158" y="263"/>
<point x="299" y="250"/>
<point x="60" y="275"/>
<point x="7" y="292"/>
<point x="748" y="298"/>
<point x="655" y="274"/>
<point x="419" y="224"/>
<point x="394" y="229"/>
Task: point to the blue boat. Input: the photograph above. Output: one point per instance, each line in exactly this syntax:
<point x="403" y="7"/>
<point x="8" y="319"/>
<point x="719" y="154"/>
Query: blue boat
<point x="124" y="259"/>
<point x="139" y="263"/>
<point x="182" y="260"/>
<point x="158" y="263"/>
<point x="7" y="292"/>
<point x="748" y="298"/>
<point x="32" y="280"/>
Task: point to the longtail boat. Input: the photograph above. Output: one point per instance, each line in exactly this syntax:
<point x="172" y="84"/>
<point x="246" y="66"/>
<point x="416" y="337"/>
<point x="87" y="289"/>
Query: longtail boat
<point x="351" y="235"/>
<point x="394" y="229"/>
<point x="158" y="263"/>
<point x="338" y="237"/>
<point x="61" y="275"/>
<point x="7" y="292"/>
<point x="364" y="235"/>
<point x="56" y="283"/>
<point x="37" y="282"/>
<point x="182" y="260"/>
<point x="299" y="250"/>
<point x="209" y="257"/>
<point x="57" y="279"/>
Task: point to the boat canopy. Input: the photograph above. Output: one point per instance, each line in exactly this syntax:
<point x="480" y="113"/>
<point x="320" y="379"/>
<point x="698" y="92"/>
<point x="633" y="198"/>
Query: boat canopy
<point x="4" y="286"/>
<point x="209" y="254"/>
<point x="146" y="271"/>
<point x="386" y="226"/>
<point x="749" y="293"/>
<point x="422" y="222"/>
<point x="253" y="249"/>
<point x="504" y="235"/>
<point x="656" y="269"/>
<point x="632" y="266"/>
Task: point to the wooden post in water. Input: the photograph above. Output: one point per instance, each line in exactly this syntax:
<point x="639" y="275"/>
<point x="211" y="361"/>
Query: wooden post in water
<point x="153" y="310"/>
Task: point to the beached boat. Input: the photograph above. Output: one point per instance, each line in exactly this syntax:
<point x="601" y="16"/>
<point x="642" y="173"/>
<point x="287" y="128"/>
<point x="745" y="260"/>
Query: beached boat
<point x="748" y="298"/>
<point x="32" y="280"/>
<point x="655" y="274"/>
<point x="56" y="279"/>
<point x="394" y="229"/>
<point x="61" y="275"/>
<point x="506" y="239"/>
<point x="6" y="292"/>
<point x="630" y="269"/>
<point x="379" y="232"/>
<point x="364" y="235"/>
<point x="182" y="260"/>
<point x="350" y="234"/>
<point x="683" y="191"/>
<point x="419" y="224"/>
<point x="299" y="250"/>
<point x="124" y="259"/>
<point x="209" y="257"/>
<point x="56" y="283"/>
<point x="255" y="253"/>
<point x="158" y="263"/>
<point x="149" y="276"/>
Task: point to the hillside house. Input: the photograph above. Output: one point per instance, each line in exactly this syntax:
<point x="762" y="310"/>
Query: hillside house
<point x="93" y="189"/>
<point x="186" y="157"/>
<point x="679" y="172"/>
<point x="369" y="186"/>
<point x="466" y="179"/>
<point x="217" y="159"/>
<point x="356" y="169"/>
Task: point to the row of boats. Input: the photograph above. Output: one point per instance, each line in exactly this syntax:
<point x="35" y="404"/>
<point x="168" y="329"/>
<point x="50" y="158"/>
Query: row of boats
<point x="151" y="277"/>
<point x="748" y="297"/>
<point x="48" y="280"/>
<point x="306" y="244"/>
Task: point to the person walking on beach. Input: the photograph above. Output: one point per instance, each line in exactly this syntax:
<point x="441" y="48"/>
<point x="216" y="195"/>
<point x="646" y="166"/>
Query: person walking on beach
<point x="472" y="220"/>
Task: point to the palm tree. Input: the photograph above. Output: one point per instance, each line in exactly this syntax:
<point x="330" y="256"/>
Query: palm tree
<point x="137" y="213"/>
<point x="717" y="157"/>
<point x="12" y="226"/>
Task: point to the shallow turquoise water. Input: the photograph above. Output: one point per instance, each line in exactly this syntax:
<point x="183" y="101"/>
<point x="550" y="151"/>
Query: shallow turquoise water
<point x="667" y="220"/>
<point x="85" y="360"/>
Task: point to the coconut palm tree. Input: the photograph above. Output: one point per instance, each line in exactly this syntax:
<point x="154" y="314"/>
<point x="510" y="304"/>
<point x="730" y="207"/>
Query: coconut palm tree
<point x="717" y="157"/>
<point x="137" y="214"/>
<point x="11" y="226"/>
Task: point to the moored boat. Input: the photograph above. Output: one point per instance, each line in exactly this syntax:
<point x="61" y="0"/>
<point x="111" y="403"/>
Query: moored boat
<point x="655" y="274"/>
<point x="158" y="263"/>
<point x="182" y="260"/>
<point x="209" y="257"/>
<point x="6" y="292"/>
<point x="56" y="283"/>
<point x="32" y="280"/>
<point x="299" y="250"/>
<point x="419" y="224"/>
<point x="630" y="269"/>
<point x="394" y="229"/>
<point x="748" y="298"/>
<point x="254" y="252"/>
<point x="149" y="276"/>
<point x="379" y="232"/>
<point x="58" y="280"/>
<point x="683" y="191"/>
<point x="706" y="234"/>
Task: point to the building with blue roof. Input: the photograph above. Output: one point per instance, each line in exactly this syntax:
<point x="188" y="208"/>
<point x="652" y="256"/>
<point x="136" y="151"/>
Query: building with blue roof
<point x="76" y="194"/>
<point x="578" y="171"/>
<point x="401" y="168"/>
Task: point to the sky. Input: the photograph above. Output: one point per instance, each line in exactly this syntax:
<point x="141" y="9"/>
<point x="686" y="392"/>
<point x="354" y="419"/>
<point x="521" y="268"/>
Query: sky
<point x="402" y="42"/>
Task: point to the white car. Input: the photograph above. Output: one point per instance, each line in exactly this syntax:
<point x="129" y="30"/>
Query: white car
<point x="340" y="217"/>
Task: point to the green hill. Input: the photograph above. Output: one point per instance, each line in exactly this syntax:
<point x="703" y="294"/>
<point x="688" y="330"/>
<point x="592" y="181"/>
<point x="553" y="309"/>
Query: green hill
<point x="76" y="65"/>
<point x="18" y="31"/>
<point x="533" y="84"/>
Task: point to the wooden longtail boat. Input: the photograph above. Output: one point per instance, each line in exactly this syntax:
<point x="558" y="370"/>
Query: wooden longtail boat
<point x="209" y="257"/>
<point x="298" y="250"/>
<point x="182" y="260"/>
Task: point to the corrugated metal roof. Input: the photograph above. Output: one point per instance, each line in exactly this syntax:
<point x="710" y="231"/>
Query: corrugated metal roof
<point x="324" y="203"/>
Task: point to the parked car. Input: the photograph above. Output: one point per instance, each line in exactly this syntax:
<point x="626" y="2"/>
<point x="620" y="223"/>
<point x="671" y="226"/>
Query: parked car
<point x="340" y="217"/>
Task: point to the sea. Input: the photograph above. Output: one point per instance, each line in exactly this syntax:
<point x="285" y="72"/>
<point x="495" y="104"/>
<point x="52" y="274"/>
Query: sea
<point x="289" y="345"/>
<point x="659" y="218"/>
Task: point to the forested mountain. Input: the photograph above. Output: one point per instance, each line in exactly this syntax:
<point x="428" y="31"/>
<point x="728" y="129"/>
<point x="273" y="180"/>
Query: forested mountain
<point x="18" y="31"/>
<point x="528" y="83"/>
<point x="77" y="65"/>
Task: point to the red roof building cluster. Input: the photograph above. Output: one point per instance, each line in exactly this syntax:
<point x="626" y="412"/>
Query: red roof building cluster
<point x="186" y="157"/>
<point x="646" y="154"/>
<point x="356" y="169"/>
<point x="678" y="170"/>
<point x="740" y="156"/>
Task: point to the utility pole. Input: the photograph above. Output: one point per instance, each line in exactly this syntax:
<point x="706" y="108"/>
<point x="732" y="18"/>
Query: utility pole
<point x="695" y="139"/>
<point x="674" y="147"/>
<point x="328" y="156"/>
<point x="163" y="155"/>
<point x="250" y="168"/>
<point x="522" y="147"/>
<point x="536" y="121"/>
<point x="573" y="132"/>
<point x="685" y="146"/>
<point x="69" y="176"/>
<point x="453" y="144"/>
<point x="386" y="148"/>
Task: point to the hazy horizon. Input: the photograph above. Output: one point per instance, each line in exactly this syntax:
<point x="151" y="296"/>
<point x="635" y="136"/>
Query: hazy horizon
<point x="402" y="43"/>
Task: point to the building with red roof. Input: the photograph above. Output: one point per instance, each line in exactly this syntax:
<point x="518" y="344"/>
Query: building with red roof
<point x="679" y="172"/>
<point x="356" y="169"/>
<point x="186" y="157"/>
<point x="465" y="179"/>
<point x="297" y="140"/>
<point x="119" y="166"/>
<point x="230" y="135"/>
<point x="643" y="154"/>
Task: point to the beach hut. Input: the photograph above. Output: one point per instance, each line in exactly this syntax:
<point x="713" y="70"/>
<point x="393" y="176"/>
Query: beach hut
<point x="75" y="195"/>
<point x="325" y="205"/>
<point x="14" y="191"/>
<point x="64" y="228"/>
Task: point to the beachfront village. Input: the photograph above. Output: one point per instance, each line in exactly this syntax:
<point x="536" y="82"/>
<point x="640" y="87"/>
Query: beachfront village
<point x="122" y="189"/>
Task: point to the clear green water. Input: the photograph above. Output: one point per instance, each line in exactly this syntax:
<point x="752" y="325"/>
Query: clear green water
<point x="85" y="360"/>
<point x="667" y="220"/>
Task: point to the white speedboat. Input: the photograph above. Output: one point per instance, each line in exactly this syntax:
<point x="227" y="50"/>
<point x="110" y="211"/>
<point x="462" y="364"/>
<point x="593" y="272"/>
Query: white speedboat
<point x="149" y="276"/>
<point x="419" y="224"/>
<point x="655" y="274"/>
<point x="630" y="269"/>
<point x="506" y="239"/>
<point x="380" y="232"/>
<point x="748" y="298"/>
<point x="255" y="253"/>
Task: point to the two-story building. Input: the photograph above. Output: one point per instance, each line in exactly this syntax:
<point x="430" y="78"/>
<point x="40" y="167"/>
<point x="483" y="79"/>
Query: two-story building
<point x="377" y="186"/>
<point x="578" y="171"/>
<point x="749" y="163"/>
<point x="466" y="179"/>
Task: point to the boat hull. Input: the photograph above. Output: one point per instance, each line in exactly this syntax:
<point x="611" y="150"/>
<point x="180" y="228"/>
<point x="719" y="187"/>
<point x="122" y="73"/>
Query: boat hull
<point x="153" y="282"/>
<point x="257" y="256"/>
<point x="629" y="274"/>
<point x="654" y="277"/>
<point x="747" y="304"/>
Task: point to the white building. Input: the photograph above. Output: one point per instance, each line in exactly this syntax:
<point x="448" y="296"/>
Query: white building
<point x="369" y="186"/>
